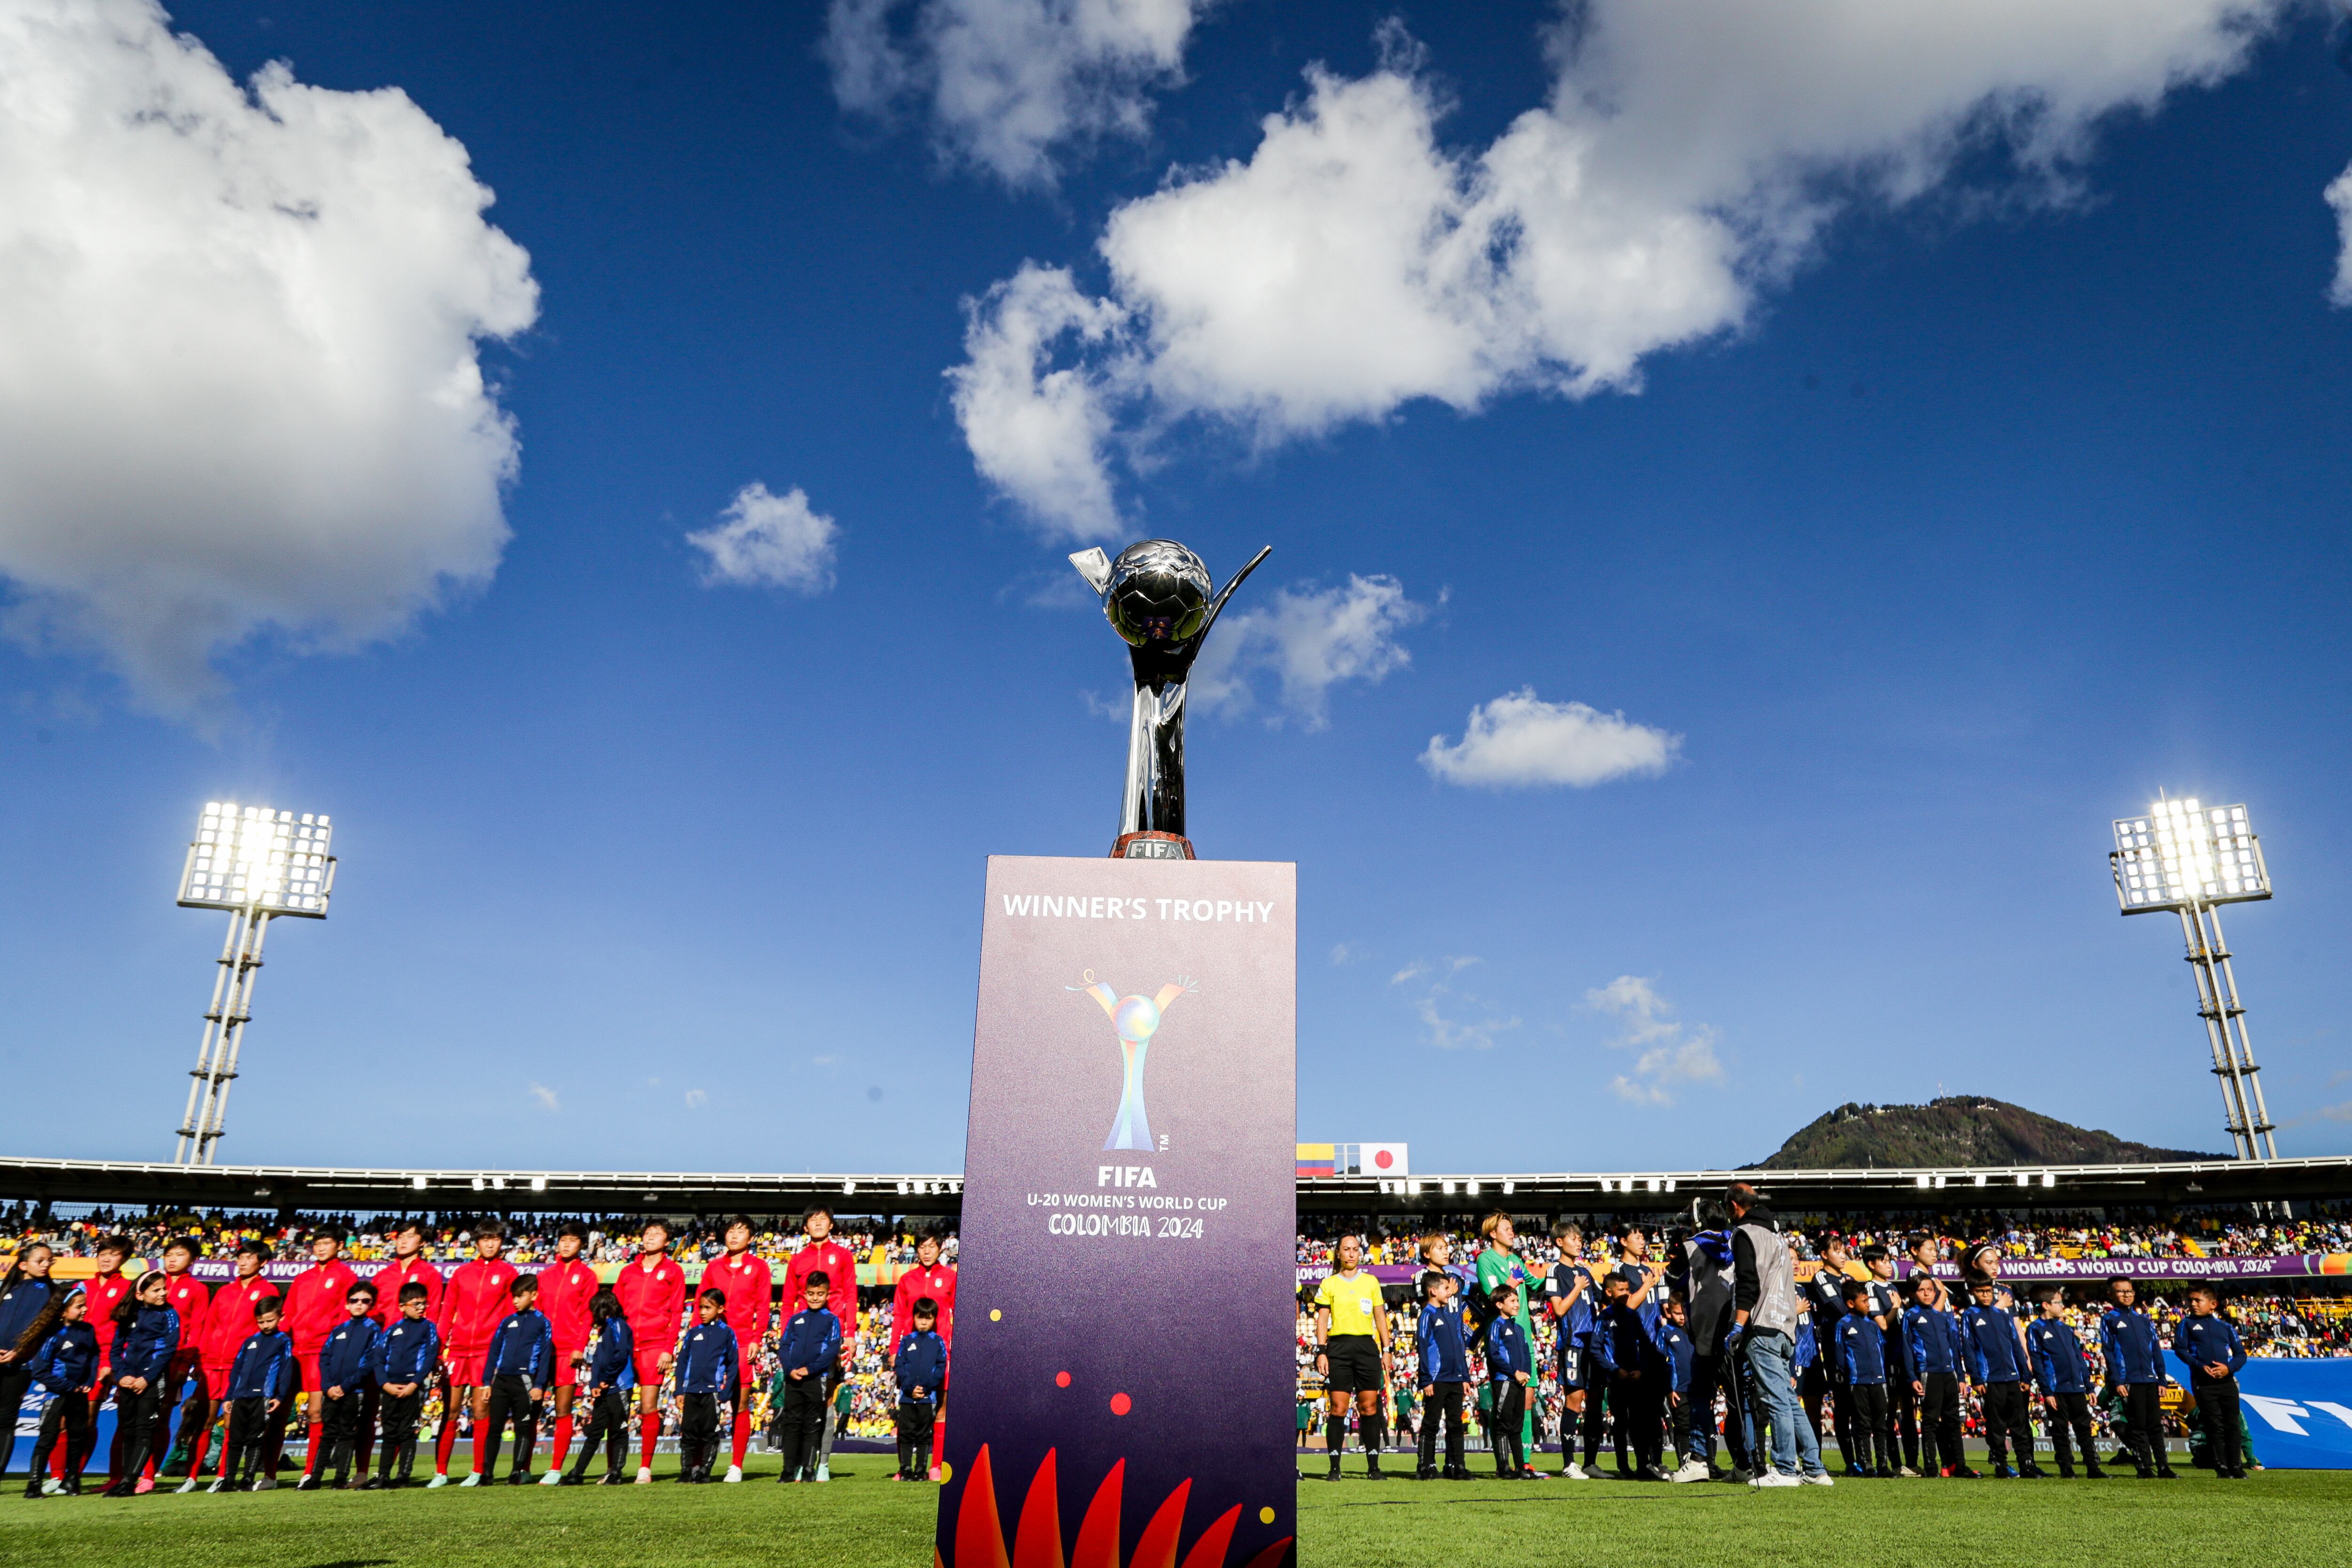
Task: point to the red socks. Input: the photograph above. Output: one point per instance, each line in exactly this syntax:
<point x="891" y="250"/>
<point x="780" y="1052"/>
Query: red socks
<point x="649" y="1430"/>
<point x="448" y="1441"/>
<point x="562" y="1441"/>
<point x="481" y="1437"/>
<point x="742" y="1433"/>
<point x="197" y="1450"/>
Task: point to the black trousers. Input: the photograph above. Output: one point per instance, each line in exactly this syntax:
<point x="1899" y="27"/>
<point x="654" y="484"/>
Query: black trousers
<point x="2005" y="1422"/>
<point x="2072" y="1410"/>
<point x="251" y="1449"/>
<point x="1939" y="1424"/>
<point x="1905" y="1409"/>
<point x="510" y="1400"/>
<point x="2217" y="1410"/>
<point x="1442" y="1407"/>
<point x="1510" y="1408"/>
<point x="2144" y="1426"/>
<point x="697" y="1433"/>
<point x="67" y="1417"/>
<point x="1597" y="1402"/>
<point x="16" y="1377"/>
<point x="914" y="1421"/>
<point x="339" y="1429"/>
<point x="138" y="1414"/>
<point x="802" y="1425"/>
<point x="1865" y="1406"/>
<point x="608" y="1423"/>
<point x="397" y="1415"/>
<point x="1642" y="1416"/>
<point x="1711" y="1375"/>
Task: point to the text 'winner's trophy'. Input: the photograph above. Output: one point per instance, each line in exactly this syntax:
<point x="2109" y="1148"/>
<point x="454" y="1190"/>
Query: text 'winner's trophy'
<point x="1157" y="596"/>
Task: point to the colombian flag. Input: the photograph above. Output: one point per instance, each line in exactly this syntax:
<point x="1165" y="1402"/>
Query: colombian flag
<point x="1317" y="1159"/>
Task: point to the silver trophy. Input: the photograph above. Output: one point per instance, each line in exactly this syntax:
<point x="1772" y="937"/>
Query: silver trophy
<point x="1157" y="596"/>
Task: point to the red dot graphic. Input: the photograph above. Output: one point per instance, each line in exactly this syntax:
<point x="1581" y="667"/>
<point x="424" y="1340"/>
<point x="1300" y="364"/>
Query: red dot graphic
<point x="1061" y="1380"/>
<point x="1384" y="1159"/>
<point x="1120" y="1404"/>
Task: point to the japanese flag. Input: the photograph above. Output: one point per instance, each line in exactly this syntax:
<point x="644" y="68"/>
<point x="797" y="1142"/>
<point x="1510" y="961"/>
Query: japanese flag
<point x="1385" y="1160"/>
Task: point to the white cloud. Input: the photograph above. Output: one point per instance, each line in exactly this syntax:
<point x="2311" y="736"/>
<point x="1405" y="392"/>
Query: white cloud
<point x="1037" y="432"/>
<point x="2339" y="197"/>
<point x="775" y="542"/>
<point x="1669" y="1052"/>
<point x="545" y="1097"/>
<point x="695" y="1099"/>
<point x="1308" y="639"/>
<point x="1451" y="1019"/>
<point x="1519" y="740"/>
<point x="1011" y="86"/>
<point x="1691" y="156"/>
<point x="239" y="389"/>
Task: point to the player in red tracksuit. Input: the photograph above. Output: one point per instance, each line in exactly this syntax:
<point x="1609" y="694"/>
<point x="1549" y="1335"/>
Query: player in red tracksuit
<point x="936" y="1281"/>
<point x="408" y="1264"/>
<point x="102" y="1296"/>
<point x="839" y="1266"/>
<point x="314" y="1308"/>
<point x="652" y="1289"/>
<point x="749" y="1283"/>
<point x="565" y="1287"/>
<point x="472" y="1305"/>
<point x="191" y="1298"/>
<point x="227" y="1324"/>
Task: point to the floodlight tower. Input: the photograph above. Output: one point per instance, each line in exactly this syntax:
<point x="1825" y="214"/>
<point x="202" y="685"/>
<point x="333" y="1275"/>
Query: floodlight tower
<point x="257" y="863"/>
<point x="2191" y="859"/>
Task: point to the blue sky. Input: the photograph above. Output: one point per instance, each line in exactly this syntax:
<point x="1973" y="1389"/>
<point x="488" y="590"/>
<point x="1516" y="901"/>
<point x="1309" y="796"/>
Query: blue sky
<point x="1956" y="462"/>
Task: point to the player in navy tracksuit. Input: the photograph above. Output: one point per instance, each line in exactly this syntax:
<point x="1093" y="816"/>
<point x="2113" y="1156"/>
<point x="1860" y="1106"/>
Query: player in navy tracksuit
<point x="710" y="1371"/>
<point x="1996" y="1358"/>
<point x="920" y="1364"/>
<point x="2062" y="1373"/>
<point x="1862" y="1373"/>
<point x="406" y="1355"/>
<point x="2209" y="1347"/>
<point x="2127" y="1339"/>
<point x="261" y="1396"/>
<point x="1510" y="1367"/>
<point x="520" y="1365"/>
<point x="810" y="1346"/>
<point x="612" y="1373"/>
<point x="65" y="1366"/>
<point x="345" y="1373"/>
<point x="1442" y="1368"/>
<point x="1931" y="1344"/>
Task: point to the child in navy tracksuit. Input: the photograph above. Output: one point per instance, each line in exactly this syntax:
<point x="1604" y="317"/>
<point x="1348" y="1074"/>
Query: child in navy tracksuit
<point x="1622" y="1352"/>
<point x="708" y="1368"/>
<point x="146" y="1336"/>
<point x="2135" y="1358"/>
<point x="520" y="1365"/>
<point x="1668" y="1362"/>
<point x="1931" y="1344"/>
<point x="2208" y="1346"/>
<point x="344" y="1371"/>
<point x="406" y="1357"/>
<point x="1442" y="1362"/>
<point x="2064" y="1374"/>
<point x="920" y="1365"/>
<point x="1996" y="1356"/>
<point x="612" y="1373"/>
<point x="261" y="1395"/>
<point x="811" y="1344"/>
<point x="65" y="1365"/>
<point x="1861" y="1369"/>
<point x="1510" y="1366"/>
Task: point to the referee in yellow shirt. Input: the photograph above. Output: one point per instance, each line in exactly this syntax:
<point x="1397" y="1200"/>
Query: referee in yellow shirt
<point x="1351" y="1342"/>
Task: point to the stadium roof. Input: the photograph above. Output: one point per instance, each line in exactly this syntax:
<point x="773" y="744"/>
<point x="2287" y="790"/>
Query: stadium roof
<point x="383" y="1189"/>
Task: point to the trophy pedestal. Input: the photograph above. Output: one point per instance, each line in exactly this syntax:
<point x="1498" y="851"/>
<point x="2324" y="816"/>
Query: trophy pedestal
<point x="1152" y="846"/>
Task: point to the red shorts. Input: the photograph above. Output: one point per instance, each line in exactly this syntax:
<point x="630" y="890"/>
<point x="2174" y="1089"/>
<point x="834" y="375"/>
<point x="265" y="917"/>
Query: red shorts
<point x="217" y="1377"/>
<point x="309" y="1366"/>
<point x="566" y="1374"/>
<point x="649" y="1366"/>
<point x="466" y="1368"/>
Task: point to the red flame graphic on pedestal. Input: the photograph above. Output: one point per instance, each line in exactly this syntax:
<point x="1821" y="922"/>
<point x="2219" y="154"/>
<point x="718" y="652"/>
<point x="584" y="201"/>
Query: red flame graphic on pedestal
<point x="1037" y="1540"/>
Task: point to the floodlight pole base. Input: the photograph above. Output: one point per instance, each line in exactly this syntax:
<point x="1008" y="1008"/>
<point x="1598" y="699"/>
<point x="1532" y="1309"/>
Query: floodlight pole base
<point x="1152" y="846"/>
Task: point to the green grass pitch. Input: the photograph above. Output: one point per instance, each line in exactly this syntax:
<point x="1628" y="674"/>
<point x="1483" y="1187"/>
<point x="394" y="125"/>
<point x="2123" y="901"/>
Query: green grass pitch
<point x="2281" y="1517"/>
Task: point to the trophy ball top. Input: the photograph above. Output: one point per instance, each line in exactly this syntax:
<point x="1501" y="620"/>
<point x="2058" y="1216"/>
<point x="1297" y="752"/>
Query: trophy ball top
<point x="1159" y="594"/>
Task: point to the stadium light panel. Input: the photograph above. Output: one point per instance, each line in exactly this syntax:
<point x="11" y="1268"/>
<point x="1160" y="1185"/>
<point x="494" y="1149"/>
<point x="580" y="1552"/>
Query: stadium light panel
<point x="1471" y="1188"/>
<point x="261" y="858"/>
<point x="2184" y="852"/>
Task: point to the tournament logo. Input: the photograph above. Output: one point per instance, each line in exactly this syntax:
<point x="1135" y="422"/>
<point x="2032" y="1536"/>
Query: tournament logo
<point x="1136" y="1020"/>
